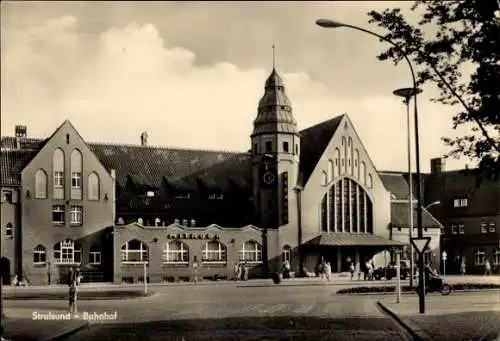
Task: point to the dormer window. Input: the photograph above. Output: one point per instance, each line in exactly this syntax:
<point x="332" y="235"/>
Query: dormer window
<point x="183" y="196"/>
<point x="460" y="202"/>
<point x="150" y="194"/>
<point x="215" y="196"/>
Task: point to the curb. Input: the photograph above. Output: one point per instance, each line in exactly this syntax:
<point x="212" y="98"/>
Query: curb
<point x="413" y="292"/>
<point x="62" y="336"/>
<point x="415" y="331"/>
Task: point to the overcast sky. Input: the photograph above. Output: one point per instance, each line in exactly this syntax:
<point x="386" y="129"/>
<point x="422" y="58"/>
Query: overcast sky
<point x="191" y="73"/>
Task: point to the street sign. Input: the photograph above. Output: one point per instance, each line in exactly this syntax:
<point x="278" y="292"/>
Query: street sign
<point x="444" y="255"/>
<point x="420" y="244"/>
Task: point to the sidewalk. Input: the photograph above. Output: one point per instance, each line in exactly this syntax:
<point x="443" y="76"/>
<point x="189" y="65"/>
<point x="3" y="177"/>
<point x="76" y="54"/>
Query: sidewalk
<point x="21" y="325"/>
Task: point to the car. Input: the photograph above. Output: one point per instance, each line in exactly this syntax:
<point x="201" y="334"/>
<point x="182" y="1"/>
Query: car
<point x="389" y="272"/>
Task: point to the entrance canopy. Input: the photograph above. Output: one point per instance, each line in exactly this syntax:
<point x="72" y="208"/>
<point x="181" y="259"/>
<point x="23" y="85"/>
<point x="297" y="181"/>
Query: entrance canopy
<point x="353" y="239"/>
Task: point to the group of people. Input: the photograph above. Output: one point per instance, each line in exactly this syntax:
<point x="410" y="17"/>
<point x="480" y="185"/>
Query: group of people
<point x="240" y="271"/>
<point x="367" y="272"/>
<point x="487" y="267"/>
<point x="324" y="270"/>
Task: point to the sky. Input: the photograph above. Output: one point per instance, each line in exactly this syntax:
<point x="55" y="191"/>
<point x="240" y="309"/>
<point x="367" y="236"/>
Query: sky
<point x="191" y="74"/>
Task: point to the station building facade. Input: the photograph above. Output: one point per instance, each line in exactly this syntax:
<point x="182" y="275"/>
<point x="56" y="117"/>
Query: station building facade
<point x="299" y="196"/>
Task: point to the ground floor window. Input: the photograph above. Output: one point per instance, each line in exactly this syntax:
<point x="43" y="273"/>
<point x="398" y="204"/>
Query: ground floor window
<point x="214" y="252"/>
<point x="39" y="255"/>
<point x="134" y="251"/>
<point x="175" y="252"/>
<point x="94" y="255"/>
<point x="67" y="252"/>
<point x="479" y="256"/>
<point x="287" y="254"/>
<point x="496" y="256"/>
<point x="251" y="251"/>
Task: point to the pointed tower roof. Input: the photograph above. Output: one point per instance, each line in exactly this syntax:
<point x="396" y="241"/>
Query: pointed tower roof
<point x="274" y="111"/>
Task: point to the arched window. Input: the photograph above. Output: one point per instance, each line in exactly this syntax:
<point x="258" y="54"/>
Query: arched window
<point x="330" y="171"/>
<point x="67" y="252"/>
<point x="40" y="184"/>
<point x="134" y="251"/>
<point x="286" y="254"/>
<point x="344" y="155"/>
<point x="369" y="183"/>
<point x="58" y="169"/>
<point x="350" y="165"/>
<point x="76" y="174"/>
<point x="362" y="173"/>
<point x="93" y="186"/>
<point x="251" y="252"/>
<point x="356" y="163"/>
<point x="496" y="256"/>
<point x="337" y="162"/>
<point x="94" y="255"/>
<point x="324" y="179"/>
<point x="39" y="255"/>
<point x="350" y="208"/>
<point x="175" y="252"/>
<point x="214" y="252"/>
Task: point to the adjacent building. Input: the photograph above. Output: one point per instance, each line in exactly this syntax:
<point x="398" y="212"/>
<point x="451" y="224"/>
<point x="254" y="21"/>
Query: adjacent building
<point x="296" y="195"/>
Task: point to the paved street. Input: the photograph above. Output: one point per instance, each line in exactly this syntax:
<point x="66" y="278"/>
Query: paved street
<point x="230" y="312"/>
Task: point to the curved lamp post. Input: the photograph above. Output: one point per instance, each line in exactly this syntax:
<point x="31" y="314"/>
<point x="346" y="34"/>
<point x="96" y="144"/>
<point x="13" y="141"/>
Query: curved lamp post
<point x="327" y="23"/>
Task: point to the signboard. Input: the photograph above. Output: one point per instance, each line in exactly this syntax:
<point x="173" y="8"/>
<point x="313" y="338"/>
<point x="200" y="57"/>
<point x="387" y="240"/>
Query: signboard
<point x="420" y="244"/>
<point x="444" y="255"/>
<point x="192" y="236"/>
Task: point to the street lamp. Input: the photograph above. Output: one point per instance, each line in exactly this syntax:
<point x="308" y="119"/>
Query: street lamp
<point x="335" y="24"/>
<point x="407" y="94"/>
<point x="432" y="204"/>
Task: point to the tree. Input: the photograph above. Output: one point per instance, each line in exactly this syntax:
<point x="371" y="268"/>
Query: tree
<point x="467" y="36"/>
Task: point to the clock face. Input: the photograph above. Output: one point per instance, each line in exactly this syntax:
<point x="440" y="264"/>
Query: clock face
<point x="268" y="178"/>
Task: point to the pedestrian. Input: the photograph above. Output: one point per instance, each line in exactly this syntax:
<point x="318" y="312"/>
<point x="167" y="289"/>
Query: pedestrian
<point x="487" y="268"/>
<point x="368" y="271"/>
<point x="236" y="268"/>
<point x="352" y="269"/>
<point x="462" y="267"/>
<point x="328" y="271"/>
<point x="358" y="270"/>
<point x="244" y="271"/>
<point x="73" y="297"/>
<point x="71" y="276"/>
<point x="78" y="276"/>
<point x="240" y="272"/>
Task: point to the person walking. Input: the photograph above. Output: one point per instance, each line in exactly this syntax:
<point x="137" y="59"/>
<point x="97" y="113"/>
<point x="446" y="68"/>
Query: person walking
<point x="487" y="268"/>
<point x="73" y="297"/>
<point x="328" y="271"/>
<point x="352" y="269"/>
<point x="236" y="269"/>
<point x="78" y="276"/>
<point x="195" y="269"/>
<point x="463" y="267"/>
<point x="239" y="272"/>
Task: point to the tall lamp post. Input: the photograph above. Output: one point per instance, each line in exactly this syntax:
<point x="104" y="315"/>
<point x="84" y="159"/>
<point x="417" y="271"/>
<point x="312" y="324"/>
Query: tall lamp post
<point x="407" y="94"/>
<point x="334" y="24"/>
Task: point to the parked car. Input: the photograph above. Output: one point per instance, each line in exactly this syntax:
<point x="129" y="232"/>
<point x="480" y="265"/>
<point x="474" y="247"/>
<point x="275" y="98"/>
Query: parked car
<point x="389" y="272"/>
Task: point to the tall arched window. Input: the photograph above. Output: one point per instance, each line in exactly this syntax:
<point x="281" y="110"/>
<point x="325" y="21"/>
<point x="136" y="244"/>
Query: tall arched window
<point x="93" y="186"/>
<point x="337" y="163"/>
<point x="251" y="252"/>
<point x="76" y="174"/>
<point x="286" y="254"/>
<point x="175" y="252"/>
<point x="350" y="208"/>
<point x="40" y="184"/>
<point x="58" y="169"/>
<point x="356" y="164"/>
<point x="362" y="173"/>
<point x="330" y="171"/>
<point x="369" y="181"/>
<point x="350" y="165"/>
<point x="324" y="179"/>
<point x="134" y="251"/>
<point x="344" y="155"/>
<point x="214" y="252"/>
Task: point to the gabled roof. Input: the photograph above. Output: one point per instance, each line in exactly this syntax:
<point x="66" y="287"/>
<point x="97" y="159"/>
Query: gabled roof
<point x="12" y="163"/>
<point x="313" y="142"/>
<point x="400" y="216"/>
<point x="396" y="184"/>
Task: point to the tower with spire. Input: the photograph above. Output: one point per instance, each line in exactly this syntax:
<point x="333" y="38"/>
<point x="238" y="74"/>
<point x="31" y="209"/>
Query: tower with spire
<point x="275" y="149"/>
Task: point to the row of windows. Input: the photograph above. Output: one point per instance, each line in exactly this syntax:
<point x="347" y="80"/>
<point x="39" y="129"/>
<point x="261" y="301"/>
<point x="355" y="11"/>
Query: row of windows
<point x="346" y="207"/>
<point x="459" y="228"/>
<point x="268" y="147"/>
<point x="59" y="215"/>
<point x="177" y="252"/>
<point x="347" y="162"/>
<point x="480" y="256"/>
<point x="66" y="252"/>
<point x="93" y="185"/>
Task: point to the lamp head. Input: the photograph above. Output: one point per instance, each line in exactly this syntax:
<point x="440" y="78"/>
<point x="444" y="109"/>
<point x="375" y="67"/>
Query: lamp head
<point x="329" y="23"/>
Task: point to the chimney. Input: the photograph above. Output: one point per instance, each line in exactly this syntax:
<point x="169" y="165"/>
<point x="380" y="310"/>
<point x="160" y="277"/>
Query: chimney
<point x="144" y="139"/>
<point x="438" y="165"/>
